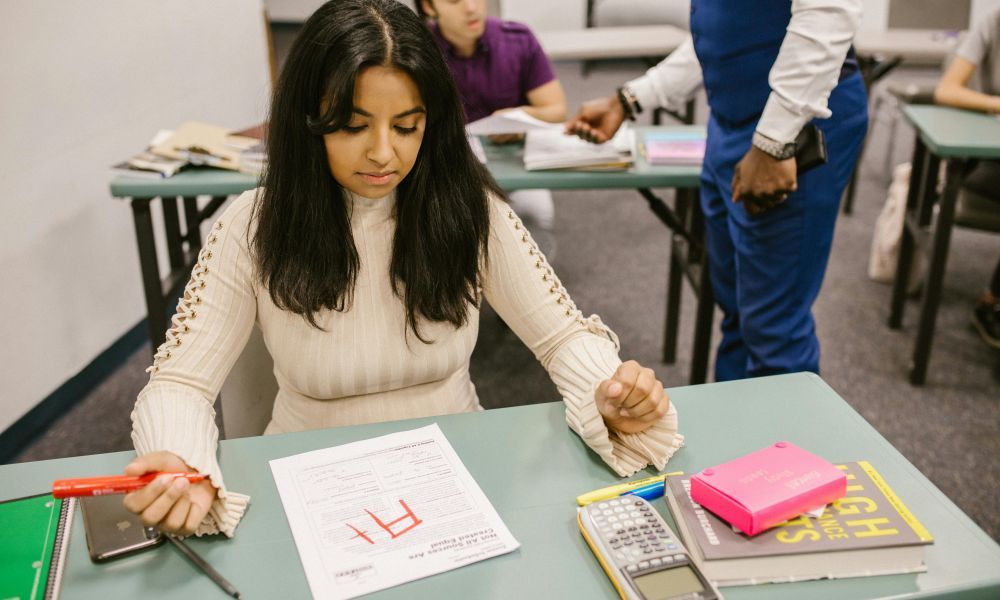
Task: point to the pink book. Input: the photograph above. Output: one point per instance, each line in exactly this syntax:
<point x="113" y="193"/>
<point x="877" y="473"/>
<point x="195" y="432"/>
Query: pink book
<point x="765" y="488"/>
<point x="675" y="152"/>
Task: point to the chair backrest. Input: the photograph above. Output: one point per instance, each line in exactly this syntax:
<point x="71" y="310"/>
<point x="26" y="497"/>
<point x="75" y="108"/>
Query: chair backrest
<point x="247" y="396"/>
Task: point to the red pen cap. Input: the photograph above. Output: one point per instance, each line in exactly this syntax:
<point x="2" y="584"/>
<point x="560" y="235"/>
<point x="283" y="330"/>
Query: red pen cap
<point x="112" y="484"/>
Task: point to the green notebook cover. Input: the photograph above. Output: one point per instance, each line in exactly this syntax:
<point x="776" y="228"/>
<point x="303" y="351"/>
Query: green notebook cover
<point x="34" y="537"/>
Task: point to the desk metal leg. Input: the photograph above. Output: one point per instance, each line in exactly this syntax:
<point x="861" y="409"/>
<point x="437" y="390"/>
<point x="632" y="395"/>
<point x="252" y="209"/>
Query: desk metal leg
<point x="172" y="228"/>
<point x="852" y="185"/>
<point x="900" y="282"/>
<point x="192" y="222"/>
<point x="675" y="276"/>
<point x="935" y="275"/>
<point x="156" y="321"/>
<point x="683" y="199"/>
<point x="703" y="327"/>
<point x="706" y="306"/>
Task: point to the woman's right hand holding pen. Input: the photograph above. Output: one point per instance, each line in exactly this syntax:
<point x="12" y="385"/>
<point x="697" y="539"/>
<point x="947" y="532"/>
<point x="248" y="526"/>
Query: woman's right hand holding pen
<point x="176" y="506"/>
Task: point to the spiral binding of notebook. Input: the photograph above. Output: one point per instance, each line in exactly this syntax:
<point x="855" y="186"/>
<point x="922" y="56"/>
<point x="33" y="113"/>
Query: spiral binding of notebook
<point x="60" y="548"/>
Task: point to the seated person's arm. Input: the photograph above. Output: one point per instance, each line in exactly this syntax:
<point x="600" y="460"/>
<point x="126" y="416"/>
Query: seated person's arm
<point x="173" y="423"/>
<point x="953" y="89"/>
<point x="547" y="102"/>
<point x="620" y="410"/>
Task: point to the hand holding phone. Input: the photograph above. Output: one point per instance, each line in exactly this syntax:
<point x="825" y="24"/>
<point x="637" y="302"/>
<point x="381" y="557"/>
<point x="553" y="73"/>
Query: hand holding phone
<point x="762" y="182"/>
<point x="112" y="530"/>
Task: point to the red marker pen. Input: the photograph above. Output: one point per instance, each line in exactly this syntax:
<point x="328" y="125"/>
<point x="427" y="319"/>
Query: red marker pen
<point x="112" y="484"/>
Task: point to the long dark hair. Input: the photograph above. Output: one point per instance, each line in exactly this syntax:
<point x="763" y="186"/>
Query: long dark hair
<point x="303" y="247"/>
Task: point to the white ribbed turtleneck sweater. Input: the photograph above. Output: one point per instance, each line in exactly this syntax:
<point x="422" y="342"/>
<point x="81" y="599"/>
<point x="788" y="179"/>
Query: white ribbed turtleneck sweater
<point x="364" y="366"/>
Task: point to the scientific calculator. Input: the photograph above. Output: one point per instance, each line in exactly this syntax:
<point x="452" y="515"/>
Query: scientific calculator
<point x="640" y="553"/>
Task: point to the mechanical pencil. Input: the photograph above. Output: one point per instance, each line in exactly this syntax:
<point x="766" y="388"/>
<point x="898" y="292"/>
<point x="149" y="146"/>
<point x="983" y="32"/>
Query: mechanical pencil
<point x="113" y="484"/>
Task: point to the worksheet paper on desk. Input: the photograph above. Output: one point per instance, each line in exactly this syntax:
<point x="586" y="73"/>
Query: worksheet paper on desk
<point x="377" y="513"/>
<point x="511" y="121"/>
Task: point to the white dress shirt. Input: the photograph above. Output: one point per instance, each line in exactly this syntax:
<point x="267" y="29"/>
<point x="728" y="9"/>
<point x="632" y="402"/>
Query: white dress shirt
<point x="805" y="72"/>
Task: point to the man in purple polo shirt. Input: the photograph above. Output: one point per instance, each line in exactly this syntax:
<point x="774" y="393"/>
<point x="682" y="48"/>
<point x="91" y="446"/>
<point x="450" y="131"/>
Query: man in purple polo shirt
<point x="498" y="66"/>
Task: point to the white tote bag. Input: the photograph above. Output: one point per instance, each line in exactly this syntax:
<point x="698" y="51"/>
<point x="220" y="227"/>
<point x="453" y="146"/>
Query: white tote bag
<point x="889" y="231"/>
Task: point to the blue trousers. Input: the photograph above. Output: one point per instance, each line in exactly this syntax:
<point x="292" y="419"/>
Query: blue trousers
<point x="766" y="271"/>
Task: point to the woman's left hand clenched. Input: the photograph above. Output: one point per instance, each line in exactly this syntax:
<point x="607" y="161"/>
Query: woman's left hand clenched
<point x="633" y="399"/>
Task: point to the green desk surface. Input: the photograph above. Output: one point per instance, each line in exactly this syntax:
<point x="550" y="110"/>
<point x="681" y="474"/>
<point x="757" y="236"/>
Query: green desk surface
<point x="531" y="467"/>
<point x="953" y="133"/>
<point x="504" y="162"/>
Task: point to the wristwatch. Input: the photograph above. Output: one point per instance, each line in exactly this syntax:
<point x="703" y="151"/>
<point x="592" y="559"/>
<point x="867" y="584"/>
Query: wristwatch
<point x="630" y="104"/>
<point x="773" y="148"/>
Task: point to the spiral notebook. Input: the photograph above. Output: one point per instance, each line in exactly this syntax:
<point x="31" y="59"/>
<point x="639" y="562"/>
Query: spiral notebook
<point x="34" y="539"/>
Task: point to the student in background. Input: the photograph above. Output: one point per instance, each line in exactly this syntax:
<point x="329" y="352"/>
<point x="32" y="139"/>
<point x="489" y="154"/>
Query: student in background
<point x="363" y="259"/>
<point x="497" y="66"/>
<point x="769" y="67"/>
<point x="977" y="64"/>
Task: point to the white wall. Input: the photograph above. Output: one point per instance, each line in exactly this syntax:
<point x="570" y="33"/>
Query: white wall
<point x="85" y="85"/>
<point x="981" y="8"/>
<point x="877" y="12"/>
<point x="547" y="15"/>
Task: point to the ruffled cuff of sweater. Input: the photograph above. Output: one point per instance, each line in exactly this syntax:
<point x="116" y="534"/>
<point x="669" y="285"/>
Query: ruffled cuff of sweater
<point x="577" y="370"/>
<point x="656" y="444"/>
<point x="185" y="425"/>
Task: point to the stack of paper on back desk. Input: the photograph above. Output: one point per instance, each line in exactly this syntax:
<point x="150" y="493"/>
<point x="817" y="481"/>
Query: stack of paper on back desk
<point x="380" y="512"/>
<point x="553" y="149"/>
<point x="508" y="122"/>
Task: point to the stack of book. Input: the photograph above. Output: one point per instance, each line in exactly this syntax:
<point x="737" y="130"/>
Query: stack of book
<point x="673" y="147"/>
<point x="147" y="164"/>
<point x="868" y="532"/>
<point x="251" y="143"/>
<point x="553" y="149"/>
<point x="198" y="144"/>
<point x="253" y="159"/>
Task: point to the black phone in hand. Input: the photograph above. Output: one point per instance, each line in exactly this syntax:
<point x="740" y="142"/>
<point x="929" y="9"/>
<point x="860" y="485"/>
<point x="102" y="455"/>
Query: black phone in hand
<point x="112" y="530"/>
<point x="810" y="148"/>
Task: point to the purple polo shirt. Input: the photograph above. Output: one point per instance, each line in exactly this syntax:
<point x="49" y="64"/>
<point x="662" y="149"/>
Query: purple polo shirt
<point x="507" y="64"/>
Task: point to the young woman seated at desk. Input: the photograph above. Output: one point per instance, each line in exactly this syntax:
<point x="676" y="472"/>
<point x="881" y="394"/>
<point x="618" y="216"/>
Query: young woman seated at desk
<point x="363" y="258"/>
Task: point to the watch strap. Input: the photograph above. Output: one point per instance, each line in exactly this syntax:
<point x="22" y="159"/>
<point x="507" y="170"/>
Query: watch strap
<point x="773" y="148"/>
<point x="630" y="104"/>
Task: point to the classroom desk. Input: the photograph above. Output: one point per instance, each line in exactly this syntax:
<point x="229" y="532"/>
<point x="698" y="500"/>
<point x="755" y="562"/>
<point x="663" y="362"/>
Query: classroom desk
<point x="531" y="467"/>
<point x="955" y="136"/>
<point x="506" y="165"/>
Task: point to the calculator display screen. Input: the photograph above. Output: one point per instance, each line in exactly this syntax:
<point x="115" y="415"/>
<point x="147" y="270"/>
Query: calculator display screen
<point x="668" y="583"/>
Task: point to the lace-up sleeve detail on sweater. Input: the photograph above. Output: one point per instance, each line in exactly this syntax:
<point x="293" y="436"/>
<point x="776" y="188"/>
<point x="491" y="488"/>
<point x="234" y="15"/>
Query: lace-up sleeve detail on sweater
<point x="578" y="352"/>
<point x="214" y="317"/>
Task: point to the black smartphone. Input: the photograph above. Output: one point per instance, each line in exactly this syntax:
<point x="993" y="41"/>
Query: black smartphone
<point x="810" y="148"/>
<point x="112" y="530"/>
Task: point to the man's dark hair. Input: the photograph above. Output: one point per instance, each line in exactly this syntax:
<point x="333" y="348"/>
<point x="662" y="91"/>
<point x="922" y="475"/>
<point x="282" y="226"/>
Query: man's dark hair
<point x="303" y="248"/>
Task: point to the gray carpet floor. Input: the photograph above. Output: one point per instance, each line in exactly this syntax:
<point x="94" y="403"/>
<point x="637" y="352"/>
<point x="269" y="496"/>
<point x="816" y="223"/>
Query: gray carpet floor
<point x="612" y="256"/>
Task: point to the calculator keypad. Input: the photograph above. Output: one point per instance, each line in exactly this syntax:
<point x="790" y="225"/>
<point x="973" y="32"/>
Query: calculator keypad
<point x="636" y="534"/>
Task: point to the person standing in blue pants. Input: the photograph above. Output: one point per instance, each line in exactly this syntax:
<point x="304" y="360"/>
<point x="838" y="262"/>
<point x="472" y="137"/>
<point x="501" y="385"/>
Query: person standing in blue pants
<point x="769" y="68"/>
